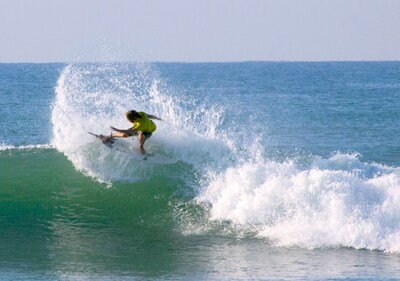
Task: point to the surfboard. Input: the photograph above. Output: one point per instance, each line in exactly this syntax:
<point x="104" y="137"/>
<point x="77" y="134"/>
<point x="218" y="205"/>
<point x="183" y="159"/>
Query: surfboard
<point x="121" y="146"/>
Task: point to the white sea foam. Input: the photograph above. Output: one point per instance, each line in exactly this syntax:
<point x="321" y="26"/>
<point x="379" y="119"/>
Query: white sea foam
<point x="335" y="202"/>
<point x="4" y="147"/>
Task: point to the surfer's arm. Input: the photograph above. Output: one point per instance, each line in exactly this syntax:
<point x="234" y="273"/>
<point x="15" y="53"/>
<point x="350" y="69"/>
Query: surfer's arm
<point x="123" y="133"/>
<point x="153" y="117"/>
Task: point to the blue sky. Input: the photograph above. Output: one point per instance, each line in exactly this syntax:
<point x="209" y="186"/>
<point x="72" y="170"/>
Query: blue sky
<point x="198" y="31"/>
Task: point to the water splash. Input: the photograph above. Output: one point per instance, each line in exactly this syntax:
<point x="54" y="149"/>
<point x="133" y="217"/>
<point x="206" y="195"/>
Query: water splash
<point x="91" y="97"/>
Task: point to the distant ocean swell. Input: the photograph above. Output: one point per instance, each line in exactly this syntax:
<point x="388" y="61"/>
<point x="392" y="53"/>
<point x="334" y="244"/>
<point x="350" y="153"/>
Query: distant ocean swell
<point x="309" y="202"/>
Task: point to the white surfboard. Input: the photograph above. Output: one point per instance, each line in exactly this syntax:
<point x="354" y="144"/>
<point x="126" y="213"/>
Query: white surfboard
<point x="122" y="146"/>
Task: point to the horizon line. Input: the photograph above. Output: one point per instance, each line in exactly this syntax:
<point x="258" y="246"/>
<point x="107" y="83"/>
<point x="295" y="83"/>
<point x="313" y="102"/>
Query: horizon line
<point x="197" y="62"/>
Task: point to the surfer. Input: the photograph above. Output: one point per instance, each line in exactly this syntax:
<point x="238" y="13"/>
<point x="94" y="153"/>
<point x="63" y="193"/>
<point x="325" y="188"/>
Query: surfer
<point x="142" y="127"/>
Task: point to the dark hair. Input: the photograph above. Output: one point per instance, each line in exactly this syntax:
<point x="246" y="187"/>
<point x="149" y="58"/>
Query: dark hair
<point x="132" y="115"/>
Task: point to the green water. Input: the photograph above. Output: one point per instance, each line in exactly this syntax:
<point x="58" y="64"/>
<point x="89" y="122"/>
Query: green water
<point x="53" y="216"/>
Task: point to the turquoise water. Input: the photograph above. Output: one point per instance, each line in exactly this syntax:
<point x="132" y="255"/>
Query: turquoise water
<point x="284" y="171"/>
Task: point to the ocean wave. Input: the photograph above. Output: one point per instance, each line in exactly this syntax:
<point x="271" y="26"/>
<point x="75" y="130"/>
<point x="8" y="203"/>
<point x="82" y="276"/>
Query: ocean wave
<point x="314" y="202"/>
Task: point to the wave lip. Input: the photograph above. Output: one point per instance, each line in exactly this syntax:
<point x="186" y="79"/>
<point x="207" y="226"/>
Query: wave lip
<point x="335" y="202"/>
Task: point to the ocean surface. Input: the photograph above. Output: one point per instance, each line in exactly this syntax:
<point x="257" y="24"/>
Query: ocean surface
<point x="284" y="171"/>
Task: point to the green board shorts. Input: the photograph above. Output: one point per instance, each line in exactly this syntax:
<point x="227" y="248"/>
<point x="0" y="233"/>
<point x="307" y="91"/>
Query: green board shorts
<point x="146" y="134"/>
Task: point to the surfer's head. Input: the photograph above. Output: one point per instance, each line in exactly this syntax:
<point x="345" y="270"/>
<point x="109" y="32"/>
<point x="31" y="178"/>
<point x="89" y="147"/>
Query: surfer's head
<point x="132" y="115"/>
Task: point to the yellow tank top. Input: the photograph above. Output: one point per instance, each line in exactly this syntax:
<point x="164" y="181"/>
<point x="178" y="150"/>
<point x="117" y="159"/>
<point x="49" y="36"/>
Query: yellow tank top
<point x="144" y="125"/>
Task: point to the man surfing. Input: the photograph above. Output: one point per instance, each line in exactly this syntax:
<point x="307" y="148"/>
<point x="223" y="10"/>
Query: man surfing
<point x="142" y="127"/>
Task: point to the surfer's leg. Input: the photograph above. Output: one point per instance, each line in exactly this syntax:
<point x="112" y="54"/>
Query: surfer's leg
<point x="142" y="139"/>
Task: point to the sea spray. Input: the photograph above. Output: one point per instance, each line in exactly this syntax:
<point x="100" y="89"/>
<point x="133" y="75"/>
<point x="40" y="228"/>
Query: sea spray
<point x="91" y="97"/>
